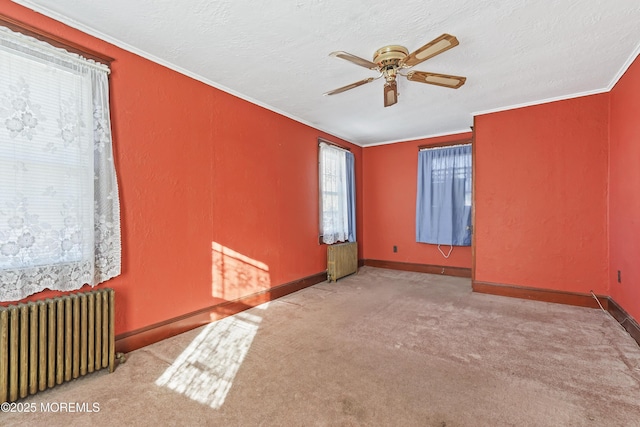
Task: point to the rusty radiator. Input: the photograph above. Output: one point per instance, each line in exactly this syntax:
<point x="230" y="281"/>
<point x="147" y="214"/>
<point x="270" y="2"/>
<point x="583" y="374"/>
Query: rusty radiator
<point x="342" y="260"/>
<point x="48" y="342"/>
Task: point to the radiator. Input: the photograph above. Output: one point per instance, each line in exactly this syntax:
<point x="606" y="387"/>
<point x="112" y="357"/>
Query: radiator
<point x="342" y="260"/>
<point x="48" y="342"/>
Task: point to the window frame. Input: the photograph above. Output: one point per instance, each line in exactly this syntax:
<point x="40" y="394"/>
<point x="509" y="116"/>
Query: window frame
<point x="465" y="141"/>
<point x="54" y="40"/>
<point x="44" y="36"/>
<point x="107" y="269"/>
<point x="320" y="194"/>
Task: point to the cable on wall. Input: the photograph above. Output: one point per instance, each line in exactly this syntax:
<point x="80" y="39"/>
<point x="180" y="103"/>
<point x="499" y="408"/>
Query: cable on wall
<point x="448" y="254"/>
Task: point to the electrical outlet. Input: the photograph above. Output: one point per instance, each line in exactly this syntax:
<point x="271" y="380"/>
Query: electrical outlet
<point x="619" y="277"/>
<point x="395" y="248"/>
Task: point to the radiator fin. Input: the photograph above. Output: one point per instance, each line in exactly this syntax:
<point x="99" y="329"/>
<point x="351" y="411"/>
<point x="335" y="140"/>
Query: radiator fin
<point x="45" y="343"/>
<point x="342" y="260"/>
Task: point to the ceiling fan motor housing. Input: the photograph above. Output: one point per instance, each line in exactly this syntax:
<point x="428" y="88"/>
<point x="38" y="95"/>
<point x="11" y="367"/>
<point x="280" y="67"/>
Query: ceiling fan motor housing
<point x="388" y="58"/>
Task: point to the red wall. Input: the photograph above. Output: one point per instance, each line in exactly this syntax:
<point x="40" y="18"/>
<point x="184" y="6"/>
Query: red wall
<point x="541" y="196"/>
<point x="219" y="196"/>
<point x="198" y="167"/>
<point x="624" y="191"/>
<point x="390" y="186"/>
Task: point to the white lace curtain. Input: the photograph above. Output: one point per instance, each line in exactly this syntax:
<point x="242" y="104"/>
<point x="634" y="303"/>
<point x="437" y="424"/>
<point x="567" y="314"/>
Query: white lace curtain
<point x="59" y="207"/>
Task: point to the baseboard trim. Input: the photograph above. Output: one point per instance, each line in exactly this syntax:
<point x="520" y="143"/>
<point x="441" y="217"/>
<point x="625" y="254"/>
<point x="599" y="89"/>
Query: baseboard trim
<point x="563" y="297"/>
<point x="537" y="294"/>
<point x="627" y="322"/>
<point x="147" y="335"/>
<point x="420" y="268"/>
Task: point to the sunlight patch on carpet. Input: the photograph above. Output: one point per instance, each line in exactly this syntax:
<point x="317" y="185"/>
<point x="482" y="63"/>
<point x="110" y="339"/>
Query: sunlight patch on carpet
<point x="206" y="369"/>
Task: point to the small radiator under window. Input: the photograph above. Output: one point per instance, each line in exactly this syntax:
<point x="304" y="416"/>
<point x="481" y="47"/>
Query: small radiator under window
<point x="342" y="260"/>
<point x="48" y="342"/>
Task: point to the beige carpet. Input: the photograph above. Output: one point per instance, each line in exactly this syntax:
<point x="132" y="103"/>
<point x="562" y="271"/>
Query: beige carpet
<point x="381" y="348"/>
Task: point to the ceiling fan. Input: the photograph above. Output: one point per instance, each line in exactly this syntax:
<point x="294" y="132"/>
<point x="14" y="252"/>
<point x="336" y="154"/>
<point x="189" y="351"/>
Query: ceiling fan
<point x="391" y="60"/>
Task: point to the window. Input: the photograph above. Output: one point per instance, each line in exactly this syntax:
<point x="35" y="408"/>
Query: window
<point x="337" y="195"/>
<point x="443" y="207"/>
<point x="59" y="209"/>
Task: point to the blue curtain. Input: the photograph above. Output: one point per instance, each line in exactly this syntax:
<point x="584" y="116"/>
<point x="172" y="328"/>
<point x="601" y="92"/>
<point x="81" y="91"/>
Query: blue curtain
<point x="443" y="208"/>
<point x="351" y="196"/>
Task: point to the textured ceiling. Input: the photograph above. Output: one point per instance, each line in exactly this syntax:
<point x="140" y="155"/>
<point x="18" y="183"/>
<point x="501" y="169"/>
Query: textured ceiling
<point x="275" y="53"/>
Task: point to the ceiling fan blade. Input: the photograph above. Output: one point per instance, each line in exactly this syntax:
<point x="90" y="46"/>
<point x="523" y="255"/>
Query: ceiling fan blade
<point x="390" y="93"/>
<point x="429" y="50"/>
<point x="355" y="59"/>
<point x="445" y="80"/>
<point x="351" y="86"/>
